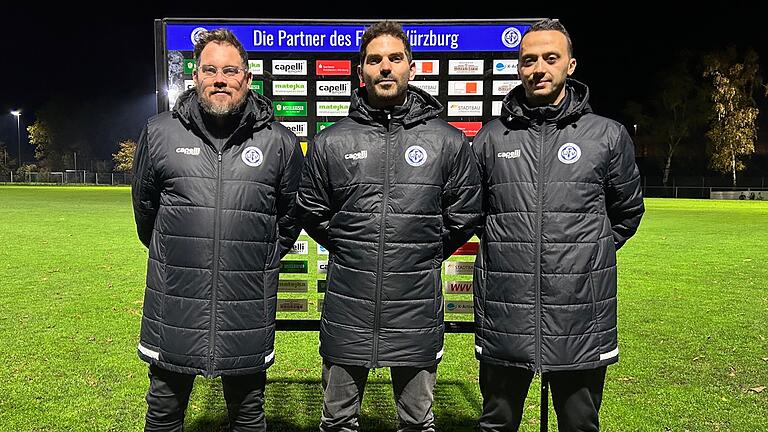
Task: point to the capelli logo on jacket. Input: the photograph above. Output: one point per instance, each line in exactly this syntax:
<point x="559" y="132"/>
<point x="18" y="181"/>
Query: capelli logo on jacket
<point x="192" y="151"/>
<point x="509" y="154"/>
<point x="355" y="156"/>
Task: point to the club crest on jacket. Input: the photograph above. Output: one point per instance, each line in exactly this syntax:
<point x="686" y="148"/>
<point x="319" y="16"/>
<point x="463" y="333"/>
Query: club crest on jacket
<point x="415" y="155"/>
<point x="252" y="156"/>
<point x="569" y="153"/>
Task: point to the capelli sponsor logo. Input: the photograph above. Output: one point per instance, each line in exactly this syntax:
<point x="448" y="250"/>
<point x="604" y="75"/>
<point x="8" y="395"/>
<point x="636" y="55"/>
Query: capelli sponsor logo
<point x="192" y="151"/>
<point x="514" y="154"/>
<point x="357" y="156"/>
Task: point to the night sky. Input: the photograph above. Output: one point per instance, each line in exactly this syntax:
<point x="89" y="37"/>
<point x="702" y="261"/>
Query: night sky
<point x="105" y="62"/>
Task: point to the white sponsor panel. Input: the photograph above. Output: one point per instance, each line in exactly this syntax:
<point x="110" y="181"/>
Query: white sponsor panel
<point x="292" y="286"/>
<point x="298" y="128"/>
<point x="496" y="108"/>
<point x="188" y="84"/>
<point x="427" y="67"/>
<point x="458" y="287"/>
<point x="289" y="67"/>
<point x="291" y="305"/>
<point x="334" y="88"/>
<point x="465" y="67"/>
<point x="501" y="88"/>
<point x="459" y="306"/>
<point x="301" y="247"/>
<point x="431" y="87"/>
<point x="465" y="88"/>
<point x="459" y="267"/>
<point x="505" y="67"/>
<point x="465" y="108"/>
<point x="321" y="250"/>
<point x="332" y="109"/>
<point x="256" y="67"/>
<point x="322" y="267"/>
<point x="289" y="88"/>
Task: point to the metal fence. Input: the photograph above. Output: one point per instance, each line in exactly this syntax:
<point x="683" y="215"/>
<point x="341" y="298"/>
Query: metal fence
<point x="677" y="187"/>
<point x="70" y="177"/>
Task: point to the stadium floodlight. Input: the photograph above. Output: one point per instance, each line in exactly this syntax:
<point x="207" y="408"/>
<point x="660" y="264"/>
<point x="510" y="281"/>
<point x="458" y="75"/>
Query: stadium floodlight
<point x="17" y="114"/>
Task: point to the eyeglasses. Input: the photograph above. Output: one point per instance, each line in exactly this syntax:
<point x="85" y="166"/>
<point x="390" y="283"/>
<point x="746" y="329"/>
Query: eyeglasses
<point x="210" y="71"/>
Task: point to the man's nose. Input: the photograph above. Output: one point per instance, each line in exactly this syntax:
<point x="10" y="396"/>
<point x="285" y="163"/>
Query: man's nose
<point x="385" y="65"/>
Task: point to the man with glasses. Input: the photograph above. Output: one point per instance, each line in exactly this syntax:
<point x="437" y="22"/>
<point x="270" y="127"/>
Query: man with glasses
<point x="391" y="191"/>
<point x="214" y="190"/>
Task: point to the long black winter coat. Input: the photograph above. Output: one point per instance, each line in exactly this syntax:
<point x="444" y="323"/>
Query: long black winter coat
<point x="561" y="195"/>
<point x="216" y="223"/>
<point x="390" y="195"/>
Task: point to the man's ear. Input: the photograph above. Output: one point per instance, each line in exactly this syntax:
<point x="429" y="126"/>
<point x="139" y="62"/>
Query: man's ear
<point x="571" y="66"/>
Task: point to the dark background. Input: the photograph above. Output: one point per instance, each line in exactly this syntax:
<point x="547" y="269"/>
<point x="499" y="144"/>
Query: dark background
<point x="101" y="62"/>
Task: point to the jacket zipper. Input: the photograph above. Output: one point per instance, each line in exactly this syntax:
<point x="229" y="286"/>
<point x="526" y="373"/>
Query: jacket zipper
<point x="539" y="215"/>
<point x="216" y="252"/>
<point x="379" y="274"/>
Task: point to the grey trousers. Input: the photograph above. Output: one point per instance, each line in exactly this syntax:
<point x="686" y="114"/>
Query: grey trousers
<point x="343" y="388"/>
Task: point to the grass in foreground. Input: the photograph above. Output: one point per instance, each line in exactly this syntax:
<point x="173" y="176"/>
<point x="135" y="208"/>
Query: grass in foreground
<point x="693" y="314"/>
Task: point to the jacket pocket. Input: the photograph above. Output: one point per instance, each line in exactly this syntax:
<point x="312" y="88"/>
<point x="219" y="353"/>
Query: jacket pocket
<point x="436" y="277"/>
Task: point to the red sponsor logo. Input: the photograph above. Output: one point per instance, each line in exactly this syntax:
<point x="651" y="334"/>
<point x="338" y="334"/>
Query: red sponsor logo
<point x="470" y="129"/>
<point x="333" y="67"/>
<point x="427" y="67"/>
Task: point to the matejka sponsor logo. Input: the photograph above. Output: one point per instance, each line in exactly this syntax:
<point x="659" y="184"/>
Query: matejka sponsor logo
<point x="289" y="67"/>
<point x="505" y="67"/>
<point x="334" y="88"/>
<point x="427" y="67"/>
<point x="289" y="108"/>
<point x="462" y="88"/>
<point x="465" y="67"/>
<point x="289" y="88"/>
<point x="465" y="108"/>
<point x="256" y="67"/>
<point x="333" y="67"/>
<point x="331" y="109"/>
<point x="298" y="128"/>
<point x="501" y="88"/>
<point x="431" y="87"/>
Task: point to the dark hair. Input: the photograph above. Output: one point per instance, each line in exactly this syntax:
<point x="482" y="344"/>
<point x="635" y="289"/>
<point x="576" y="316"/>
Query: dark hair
<point x="554" y="25"/>
<point x="220" y="35"/>
<point x="390" y="28"/>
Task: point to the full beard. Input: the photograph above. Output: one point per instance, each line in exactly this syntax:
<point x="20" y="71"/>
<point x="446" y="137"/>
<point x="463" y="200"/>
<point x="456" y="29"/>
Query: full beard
<point x="219" y="110"/>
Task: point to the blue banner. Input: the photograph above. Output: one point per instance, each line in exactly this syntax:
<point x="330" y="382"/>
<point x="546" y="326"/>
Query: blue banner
<point x="346" y="38"/>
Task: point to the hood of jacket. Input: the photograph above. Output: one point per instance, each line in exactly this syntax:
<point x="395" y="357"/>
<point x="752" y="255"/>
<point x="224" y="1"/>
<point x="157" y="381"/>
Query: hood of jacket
<point x="256" y="112"/>
<point x="419" y="106"/>
<point x="515" y="109"/>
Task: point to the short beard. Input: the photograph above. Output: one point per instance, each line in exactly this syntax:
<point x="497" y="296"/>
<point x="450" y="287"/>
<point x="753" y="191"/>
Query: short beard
<point x="219" y="111"/>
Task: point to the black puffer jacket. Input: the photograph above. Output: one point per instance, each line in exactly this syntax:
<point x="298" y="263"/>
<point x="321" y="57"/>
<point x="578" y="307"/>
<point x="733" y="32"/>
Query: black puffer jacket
<point x="216" y="224"/>
<point x="562" y="194"/>
<point x="390" y="196"/>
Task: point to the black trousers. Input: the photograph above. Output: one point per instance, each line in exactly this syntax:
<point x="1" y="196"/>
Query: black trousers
<point x="168" y="397"/>
<point x="576" y="395"/>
